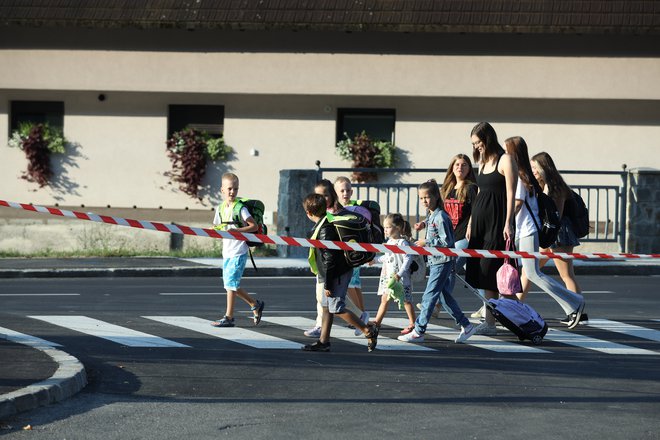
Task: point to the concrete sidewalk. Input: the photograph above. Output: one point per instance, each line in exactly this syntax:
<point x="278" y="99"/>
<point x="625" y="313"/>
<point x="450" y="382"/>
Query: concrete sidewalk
<point x="33" y="373"/>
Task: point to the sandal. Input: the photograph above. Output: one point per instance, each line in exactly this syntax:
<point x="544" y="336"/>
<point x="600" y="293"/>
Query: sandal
<point x="259" y="308"/>
<point x="408" y="329"/>
<point x="226" y="321"/>
<point x="372" y="337"/>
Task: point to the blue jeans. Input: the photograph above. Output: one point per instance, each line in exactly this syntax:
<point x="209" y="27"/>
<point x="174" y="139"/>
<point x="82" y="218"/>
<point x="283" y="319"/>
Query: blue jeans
<point x="439" y="287"/>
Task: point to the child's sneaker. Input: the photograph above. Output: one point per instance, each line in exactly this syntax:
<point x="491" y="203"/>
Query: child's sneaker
<point x="466" y="332"/>
<point x="314" y="332"/>
<point x="481" y="313"/>
<point x="317" y="346"/>
<point x="372" y="336"/>
<point x="364" y="317"/>
<point x="411" y="337"/>
<point x="226" y="321"/>
<point x="485" y="329"/>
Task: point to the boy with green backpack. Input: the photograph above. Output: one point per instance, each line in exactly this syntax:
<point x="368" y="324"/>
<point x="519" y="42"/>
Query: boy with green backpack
<point x="232" y="214"/>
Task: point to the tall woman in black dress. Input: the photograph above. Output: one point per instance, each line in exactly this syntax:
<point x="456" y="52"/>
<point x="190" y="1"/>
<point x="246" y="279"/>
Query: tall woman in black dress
<point x="493" y="213"/>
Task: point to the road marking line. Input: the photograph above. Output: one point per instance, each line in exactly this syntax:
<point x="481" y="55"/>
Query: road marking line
<point x="233" y="334"/>
<point x="39" y="294"/>
<point x="583" y="292"/>
<point x="345" y="334"/>
<point x="485" y="342"/>
<point x="105" y="330"/>
<point x="626" y="329"/>
<point x="198" y="293"/>
<point x="27" y="339"/>
<point x="600" y="345"/>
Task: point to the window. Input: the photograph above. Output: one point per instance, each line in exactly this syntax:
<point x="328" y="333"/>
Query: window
<point x="377" y="123"/>
<point x="208" y="118"/>
<point x="36" y="112"/>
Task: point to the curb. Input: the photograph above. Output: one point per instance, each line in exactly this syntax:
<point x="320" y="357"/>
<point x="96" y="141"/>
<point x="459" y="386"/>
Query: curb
<point x="68" y="379"/>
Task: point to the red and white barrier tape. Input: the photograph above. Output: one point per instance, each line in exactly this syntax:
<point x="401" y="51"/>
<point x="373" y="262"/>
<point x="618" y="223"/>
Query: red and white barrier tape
<point x="324" y="244"/>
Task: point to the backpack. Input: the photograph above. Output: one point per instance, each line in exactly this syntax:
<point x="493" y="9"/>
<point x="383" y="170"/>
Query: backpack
<point x="256" y="210"/>
<point x="549" y="219"/>
<point x="374" y="210"/>
<point x="578" y="214"/>
<point x="353" y="227"/>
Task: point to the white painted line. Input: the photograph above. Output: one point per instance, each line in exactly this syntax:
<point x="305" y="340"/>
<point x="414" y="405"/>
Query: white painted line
<point x="583" y="292"/>
<point x="582" y="341"/>
<point x="39" y="294"/>
<point x="232" y="334"/>
<point x="626" y="329"/>
<point x="192" y="293"/>
<point x="24" y="339"/>
<point x="110" y="332"/>
<point x="345" y="334"/>
<point x="485" y="342"/>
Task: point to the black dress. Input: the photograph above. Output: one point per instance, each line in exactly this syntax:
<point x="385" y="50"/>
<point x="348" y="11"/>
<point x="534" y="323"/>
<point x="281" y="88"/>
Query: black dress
<point x="488" y="219"/>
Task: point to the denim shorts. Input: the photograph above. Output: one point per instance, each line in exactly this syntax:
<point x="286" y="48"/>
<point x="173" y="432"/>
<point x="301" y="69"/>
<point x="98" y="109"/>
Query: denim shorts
<point x="355" y="279"/>
<point x="336" y="303"/>
<point x="232" y="271"/>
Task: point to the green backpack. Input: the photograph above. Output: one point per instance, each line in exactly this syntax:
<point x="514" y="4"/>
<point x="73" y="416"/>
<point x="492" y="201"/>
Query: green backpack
<point x="256" y="210"/>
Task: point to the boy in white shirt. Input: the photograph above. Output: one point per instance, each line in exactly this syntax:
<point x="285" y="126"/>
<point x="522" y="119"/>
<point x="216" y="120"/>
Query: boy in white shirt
<point x="234" y="252"/>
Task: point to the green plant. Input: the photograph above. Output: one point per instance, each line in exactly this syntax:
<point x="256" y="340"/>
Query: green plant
<point x="366" y="153"/>
<point x="189" y="149"/>
<point x="38" y="141"/>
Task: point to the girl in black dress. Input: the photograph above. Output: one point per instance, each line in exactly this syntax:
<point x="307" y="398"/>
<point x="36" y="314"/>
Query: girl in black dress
<point x="491" y="223"/>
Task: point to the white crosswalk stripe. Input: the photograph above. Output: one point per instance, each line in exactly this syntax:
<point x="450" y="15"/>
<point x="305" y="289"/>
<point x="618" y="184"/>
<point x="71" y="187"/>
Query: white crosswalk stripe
<point x="345" y="334"/>
<point x="626" y="329"/>
<point x="110" y="332"/>
<point x="26" y="339"/>
<point x="485" y="342"/>
<point x="589" y="343"/>
<point x="232" y="334"/>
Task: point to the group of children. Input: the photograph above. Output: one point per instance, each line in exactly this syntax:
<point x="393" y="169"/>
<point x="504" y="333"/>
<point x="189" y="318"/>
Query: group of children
<point x="338" y="287"/>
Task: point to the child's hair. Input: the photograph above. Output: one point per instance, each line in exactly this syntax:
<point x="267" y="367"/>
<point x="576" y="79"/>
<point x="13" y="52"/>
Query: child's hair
<point x="343" y="179"/>
<point x="450" y="180"/>
<point x="330" y="189"/>
<point x="230" y="176"/>
<point x="398" y="222"/>
<point x="517" y="148"/>
<point x="315" y="205"/>
<point x="556" y="185"/>
<point x="431" y="186"/>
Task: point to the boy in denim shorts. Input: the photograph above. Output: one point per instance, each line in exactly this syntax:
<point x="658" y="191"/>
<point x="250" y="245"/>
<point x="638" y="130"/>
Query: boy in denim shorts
<point x="234" y="252"/>
<point x="333" y="275"/>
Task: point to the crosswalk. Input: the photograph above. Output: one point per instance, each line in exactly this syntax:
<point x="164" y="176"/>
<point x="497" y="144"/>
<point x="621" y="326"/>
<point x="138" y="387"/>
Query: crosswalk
<point x="292" y="326"/>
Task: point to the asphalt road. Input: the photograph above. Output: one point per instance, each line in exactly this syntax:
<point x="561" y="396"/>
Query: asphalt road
<point x="591" y="383"/>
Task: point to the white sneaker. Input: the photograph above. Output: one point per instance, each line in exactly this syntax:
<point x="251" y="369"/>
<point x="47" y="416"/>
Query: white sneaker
<point x="481" y="313"/>
<point x="314" y="332"/>
<point x="364" y="317"/>
<point x="411" y="337"/>
<point x="485" y="329"/>
<point x="466" y="332"/>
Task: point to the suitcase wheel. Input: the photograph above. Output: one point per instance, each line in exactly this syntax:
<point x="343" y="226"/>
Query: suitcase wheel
<point x="537" y="339"/>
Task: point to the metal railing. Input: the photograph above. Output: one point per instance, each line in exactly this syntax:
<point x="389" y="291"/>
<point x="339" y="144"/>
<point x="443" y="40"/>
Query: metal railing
<point x="606" y="203"/>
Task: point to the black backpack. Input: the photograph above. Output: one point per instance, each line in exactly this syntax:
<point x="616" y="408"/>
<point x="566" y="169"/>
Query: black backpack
<point x="378" y="235"/>
<point x="353" y="227"/>
<point x="577" y="212"/>
<point x="549" y="219"/>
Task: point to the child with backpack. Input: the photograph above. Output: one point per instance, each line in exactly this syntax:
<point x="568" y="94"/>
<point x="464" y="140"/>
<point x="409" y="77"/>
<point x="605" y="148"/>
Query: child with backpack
<point x="333" y="275"/>
<point x="344" y="191"/>
<point x="439" y="232"/>
<point x="396" y="269"/>
<point x="527" y="235"/>
<point x="234" y="252"/>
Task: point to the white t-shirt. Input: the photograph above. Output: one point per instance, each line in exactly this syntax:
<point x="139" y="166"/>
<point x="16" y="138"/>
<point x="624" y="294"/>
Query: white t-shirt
<point x="524" y="223"/>
<point x="231" y="248"/>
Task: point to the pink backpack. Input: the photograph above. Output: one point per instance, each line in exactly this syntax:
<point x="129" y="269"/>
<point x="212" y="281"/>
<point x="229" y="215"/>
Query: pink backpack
<point x="508" y="278"/>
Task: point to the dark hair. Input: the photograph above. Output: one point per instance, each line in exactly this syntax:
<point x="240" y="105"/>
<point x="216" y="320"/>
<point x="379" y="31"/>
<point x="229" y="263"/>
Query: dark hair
<point x="330" y="189"/>
<point x="315" y="204"/>
<point x="556" y="185"/>
<point x="431" y="186"/>
<point x="486" y="134"/>
<point x="450" y="179"/>
<point x="517" y="148"/>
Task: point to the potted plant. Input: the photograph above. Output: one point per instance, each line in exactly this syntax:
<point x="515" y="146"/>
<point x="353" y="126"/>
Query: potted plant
<point x="363" y="152"/>
<point x="189" y="150"/>
<point x="38" y="141"/>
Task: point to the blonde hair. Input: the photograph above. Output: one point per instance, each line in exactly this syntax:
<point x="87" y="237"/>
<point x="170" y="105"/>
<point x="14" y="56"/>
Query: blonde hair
<point x="402" y="225"/>
<point x="450" y="180"/>
<point x="343" y="179"/>
<point x="230" y="176"/>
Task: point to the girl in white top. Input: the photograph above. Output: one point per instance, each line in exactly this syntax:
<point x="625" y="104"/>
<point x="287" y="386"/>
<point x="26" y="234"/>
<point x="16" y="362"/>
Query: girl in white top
<point x="527" y="237"/>
<point x="397" y="231"/>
